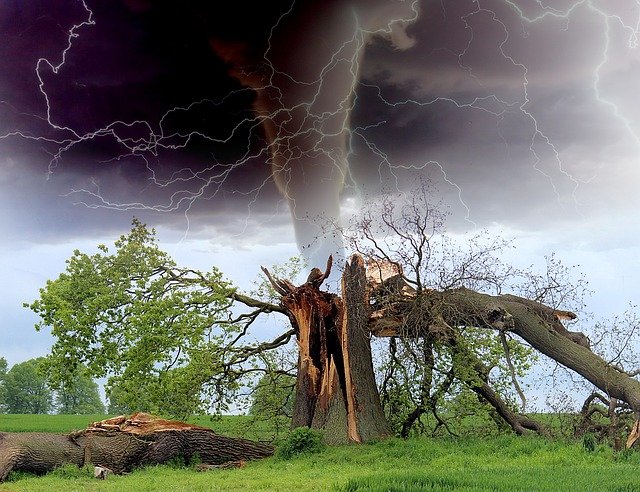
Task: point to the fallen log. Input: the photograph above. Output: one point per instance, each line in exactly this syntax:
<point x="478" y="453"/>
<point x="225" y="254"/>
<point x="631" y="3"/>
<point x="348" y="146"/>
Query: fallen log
<point x="122" y="444"/>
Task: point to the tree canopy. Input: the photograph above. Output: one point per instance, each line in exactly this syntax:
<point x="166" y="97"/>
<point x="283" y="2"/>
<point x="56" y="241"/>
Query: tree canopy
<point x="164" y="336"/>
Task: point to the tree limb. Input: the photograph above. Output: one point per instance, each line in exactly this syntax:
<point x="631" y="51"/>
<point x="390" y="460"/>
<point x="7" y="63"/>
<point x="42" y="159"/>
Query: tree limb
<point x="265" y="307"/>
<point x="512" y="370"/>
<point x="537" y="324"/>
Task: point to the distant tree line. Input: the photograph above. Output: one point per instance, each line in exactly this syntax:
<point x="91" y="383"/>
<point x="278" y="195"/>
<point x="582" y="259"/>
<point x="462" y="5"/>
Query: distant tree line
<point x="24" y="389"/>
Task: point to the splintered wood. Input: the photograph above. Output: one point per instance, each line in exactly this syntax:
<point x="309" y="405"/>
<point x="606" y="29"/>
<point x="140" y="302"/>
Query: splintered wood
<point x="335" y="388"/>
<point x="141" y="424"/>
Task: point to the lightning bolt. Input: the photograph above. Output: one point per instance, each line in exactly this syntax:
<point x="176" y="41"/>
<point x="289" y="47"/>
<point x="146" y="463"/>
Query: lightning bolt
<point x="186" y="186"/>
<point x="538" y="135"/>
<point x="55" y="68"/>
<point x="210" y="178"/>
<point x="566" y="14"/>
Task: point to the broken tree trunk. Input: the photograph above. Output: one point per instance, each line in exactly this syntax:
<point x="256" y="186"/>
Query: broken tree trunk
<point x="121" y="444"/>
<point x="336" y="389"/>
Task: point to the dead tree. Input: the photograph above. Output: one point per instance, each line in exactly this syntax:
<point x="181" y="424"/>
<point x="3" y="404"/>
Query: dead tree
<point x="122" y="444"/>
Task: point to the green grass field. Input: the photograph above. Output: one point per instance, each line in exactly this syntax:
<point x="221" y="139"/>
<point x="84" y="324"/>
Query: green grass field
<point x="502" y="463"/>
<point x="238" y="426"/>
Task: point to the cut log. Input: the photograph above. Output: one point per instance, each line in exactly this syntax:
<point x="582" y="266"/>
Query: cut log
<point x="122" y="444"/>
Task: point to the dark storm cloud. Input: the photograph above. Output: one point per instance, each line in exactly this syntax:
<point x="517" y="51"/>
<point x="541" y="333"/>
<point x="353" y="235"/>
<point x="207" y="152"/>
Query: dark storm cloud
<point x="546" y="145"/>
<point x="134" y="64"/>
<point x="137" y="62"/>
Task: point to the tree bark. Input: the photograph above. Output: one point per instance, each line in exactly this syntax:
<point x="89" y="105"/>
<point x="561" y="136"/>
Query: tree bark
<point x="121" y="444"/>
<point x="539" y="327"/>
<point x="365" y="417"/>
<point x="336" y="389"/>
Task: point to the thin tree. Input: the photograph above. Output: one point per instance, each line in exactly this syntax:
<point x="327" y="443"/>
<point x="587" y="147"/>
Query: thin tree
<point x="3" y="373"/>
<point x="26" y="388"/>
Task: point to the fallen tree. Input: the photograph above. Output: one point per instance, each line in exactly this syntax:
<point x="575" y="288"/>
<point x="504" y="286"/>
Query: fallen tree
<point x="537" y="324"/>
<point x="336" y="388"/>
<point x="123" y="443"/>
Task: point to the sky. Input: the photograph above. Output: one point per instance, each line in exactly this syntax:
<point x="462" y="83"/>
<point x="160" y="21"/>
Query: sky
<point x="523" y="114"/>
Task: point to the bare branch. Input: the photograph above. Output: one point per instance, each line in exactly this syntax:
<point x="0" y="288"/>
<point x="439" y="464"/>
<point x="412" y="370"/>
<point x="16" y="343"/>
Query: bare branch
<point x="512" y="370"/>
<point x="282" y="287"/>
<point x="265" y="307"/>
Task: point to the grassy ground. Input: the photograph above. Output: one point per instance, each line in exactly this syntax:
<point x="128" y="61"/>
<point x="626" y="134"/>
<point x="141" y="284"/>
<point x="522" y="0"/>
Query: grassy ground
<point x="46" y="423"/>
<point x="238" y="426"/>
<point x="503" y="463"/>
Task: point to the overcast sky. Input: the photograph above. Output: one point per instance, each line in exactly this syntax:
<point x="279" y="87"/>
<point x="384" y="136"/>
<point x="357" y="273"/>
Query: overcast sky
<point x="524" y="114"/>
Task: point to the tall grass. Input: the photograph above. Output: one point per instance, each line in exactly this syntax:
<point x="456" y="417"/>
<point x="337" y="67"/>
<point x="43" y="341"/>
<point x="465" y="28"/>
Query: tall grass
<point x="502" y="463"/>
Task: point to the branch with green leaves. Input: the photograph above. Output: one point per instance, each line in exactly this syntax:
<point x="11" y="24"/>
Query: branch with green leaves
<point x="162" y="335"/>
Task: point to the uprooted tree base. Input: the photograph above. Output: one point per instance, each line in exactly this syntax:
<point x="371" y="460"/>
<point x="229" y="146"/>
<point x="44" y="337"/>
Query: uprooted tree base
<point x="122" y="444"/>
<point x="336" y="388"/>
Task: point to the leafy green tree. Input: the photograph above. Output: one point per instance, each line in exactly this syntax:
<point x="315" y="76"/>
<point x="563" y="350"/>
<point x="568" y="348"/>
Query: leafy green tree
<point x="117" y="402"/>
<point x="164" y="336"/>
<point x="81" y="397"/>
<point x="26" y="388"/>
